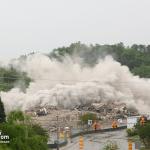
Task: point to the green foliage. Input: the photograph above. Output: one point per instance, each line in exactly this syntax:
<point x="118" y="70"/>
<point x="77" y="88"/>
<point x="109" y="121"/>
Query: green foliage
<point x="30" y="143"/>
<point x="136" y="57"/>
<point x="23" y="135"/>
<point x="111" y="146"/>
<point x="15" y="116"/>
<point x="4" y="147"/>
<point x="40" y="131"/>
<point x="88" y="116"/>
<point x="10" y="76"/>
<point x="2" y="112"/>
<point x="144" y="133"/>
<point x="131" y="132"/>
<point x="142" y="71"/>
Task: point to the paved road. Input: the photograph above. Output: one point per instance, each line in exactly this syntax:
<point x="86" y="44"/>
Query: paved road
<point x="99" y="140"/>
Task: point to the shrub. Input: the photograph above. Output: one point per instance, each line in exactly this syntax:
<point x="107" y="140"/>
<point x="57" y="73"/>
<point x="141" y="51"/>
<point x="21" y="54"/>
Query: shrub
<point x="131" y="132"/>
<point x="23" y="135"/>
<point x="88" y="116"/>
<point x="111" y="146"/>
<point x="144" y="133"/>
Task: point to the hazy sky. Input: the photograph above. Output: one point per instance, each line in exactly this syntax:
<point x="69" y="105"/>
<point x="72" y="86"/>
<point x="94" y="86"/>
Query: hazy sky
<point x="41" y="25"/>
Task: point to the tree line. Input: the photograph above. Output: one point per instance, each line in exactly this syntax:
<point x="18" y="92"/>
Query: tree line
<point x="136" y="57"/>
<point x="10" y="77"/>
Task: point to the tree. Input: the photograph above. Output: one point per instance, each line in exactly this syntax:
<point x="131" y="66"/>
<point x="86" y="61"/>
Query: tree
<point x="10" y="76"/>
<point x="131" y="132"/>
<point x="133" y="56"/>
<point x="15" y="116"/>
<point x="4" y="147"/>
<point x="142" y="71"/>
<point x="144" y="133"/>
<point x="88" y="116"/>
<point x="2" y="112"/>
<point x="23" y="135"/>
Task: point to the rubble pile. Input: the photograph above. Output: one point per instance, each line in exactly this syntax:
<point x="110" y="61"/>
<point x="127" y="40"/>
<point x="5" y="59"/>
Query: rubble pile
<point x="49" y="117"/>
<point x="56" y="116"/>
<point x="109" y="109"/>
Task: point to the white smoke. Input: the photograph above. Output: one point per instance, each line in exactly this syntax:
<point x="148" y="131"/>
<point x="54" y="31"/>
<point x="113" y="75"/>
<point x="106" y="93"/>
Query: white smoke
<point x="68" y="84"/>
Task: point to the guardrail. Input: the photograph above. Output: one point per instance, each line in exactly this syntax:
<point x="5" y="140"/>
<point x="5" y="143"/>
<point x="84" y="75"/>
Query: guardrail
<point x="64" y="143"/>
<point x="98" y="131"/>
<point x="61" y="144"/>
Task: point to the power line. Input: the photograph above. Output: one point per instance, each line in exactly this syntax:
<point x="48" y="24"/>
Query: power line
<point x="9" y="78"/>
<point x="54" y="80"/>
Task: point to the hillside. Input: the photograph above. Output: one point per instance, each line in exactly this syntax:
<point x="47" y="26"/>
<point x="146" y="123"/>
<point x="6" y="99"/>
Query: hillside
<point x="136" y="57"/>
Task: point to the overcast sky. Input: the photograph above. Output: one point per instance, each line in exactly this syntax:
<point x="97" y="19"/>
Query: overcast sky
<point x="41" y="25"/>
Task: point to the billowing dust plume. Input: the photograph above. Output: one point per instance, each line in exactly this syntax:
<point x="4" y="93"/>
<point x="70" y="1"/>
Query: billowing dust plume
<point x="68" y="84"/>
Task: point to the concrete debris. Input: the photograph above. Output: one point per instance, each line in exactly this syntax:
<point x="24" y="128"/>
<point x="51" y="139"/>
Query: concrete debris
<point x="46" y="116"/>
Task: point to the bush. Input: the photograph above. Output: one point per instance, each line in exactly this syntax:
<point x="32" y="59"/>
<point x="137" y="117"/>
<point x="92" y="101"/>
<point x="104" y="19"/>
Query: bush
<point x="144" y="133"/>
<point x="88" y="116"/>
<point x="111" y="146"/>
<point x="4" y="147"/>
<point x="23" y="135"/>
<point x="15" y="116"/>
<point x="131" y="132"/>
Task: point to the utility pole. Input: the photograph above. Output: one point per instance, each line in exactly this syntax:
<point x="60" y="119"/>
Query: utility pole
<point x="71" y="134"/>
<point x="57" y="133"/>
